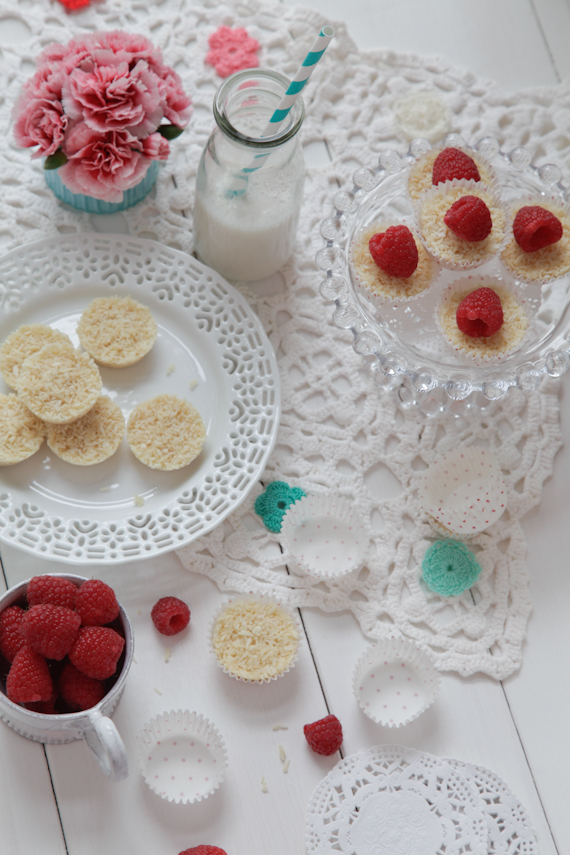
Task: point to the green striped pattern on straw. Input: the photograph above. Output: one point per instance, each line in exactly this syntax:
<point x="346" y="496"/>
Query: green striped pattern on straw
<point x="318" y="48"/>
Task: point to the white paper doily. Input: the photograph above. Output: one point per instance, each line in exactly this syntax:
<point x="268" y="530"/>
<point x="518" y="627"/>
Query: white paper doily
<point x="510" y="830"/>
<point x="336" y="434"/>
<point x="383" y="800"/>
<point x="387" y="799"/>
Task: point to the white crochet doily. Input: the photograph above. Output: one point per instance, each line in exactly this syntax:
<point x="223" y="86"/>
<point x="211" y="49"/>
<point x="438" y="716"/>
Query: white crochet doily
<point x="336" y="432"/>
<point x="390" y="800"/>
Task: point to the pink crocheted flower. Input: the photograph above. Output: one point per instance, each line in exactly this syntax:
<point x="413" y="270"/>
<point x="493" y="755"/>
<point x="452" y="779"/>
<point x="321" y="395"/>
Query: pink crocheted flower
<point x="232" y="50"/>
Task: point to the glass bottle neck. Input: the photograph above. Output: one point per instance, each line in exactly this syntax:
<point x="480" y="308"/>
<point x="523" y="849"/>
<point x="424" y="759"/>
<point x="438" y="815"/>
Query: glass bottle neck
<point x="244" y="104"/>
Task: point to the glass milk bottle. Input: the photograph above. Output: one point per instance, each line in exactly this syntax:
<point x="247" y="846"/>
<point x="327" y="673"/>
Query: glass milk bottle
<point x="248" y="189"/>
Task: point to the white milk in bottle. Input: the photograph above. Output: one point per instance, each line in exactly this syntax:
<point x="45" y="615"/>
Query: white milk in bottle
<point x="249" y="189"/>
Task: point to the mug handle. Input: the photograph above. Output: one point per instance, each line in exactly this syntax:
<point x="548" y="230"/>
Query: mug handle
<point x="104" y="741"/>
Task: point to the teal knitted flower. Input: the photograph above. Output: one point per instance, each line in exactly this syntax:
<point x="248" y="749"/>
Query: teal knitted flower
<point x="272" y="505"/>
<point x="449" y="568"/>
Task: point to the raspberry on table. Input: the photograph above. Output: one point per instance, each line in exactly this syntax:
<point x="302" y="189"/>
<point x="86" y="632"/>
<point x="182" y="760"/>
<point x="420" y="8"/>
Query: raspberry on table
<point x="395" y="251"/>
<point x="453" y="163"/>
<point x="51" y="630"/>
<point x="51" y="589"/>
<point x="324" y="736"/>
<point x="11" y="635"/>
<point x="97" y="651"/>
<point x="170" y="615"/>
<point x="29" y="679"/>
<point x="469" y="218"/>
<point x="96" y="603"/>
<point x="535" y="227"/>
<point x="480" y="314"/>
<point x="204" y="850"/>
<point x="78" y="690"/>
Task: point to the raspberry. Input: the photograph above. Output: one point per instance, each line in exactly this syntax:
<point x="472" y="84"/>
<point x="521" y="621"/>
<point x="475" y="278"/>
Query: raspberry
<point x="395" y="251"/>
<point x="97" y="651"/>
<point x="29" y="679"/>
<point x="170" y="615"/>
<point x="11" y="635"/>
<point x="324" y="736"/>
<point x="204" y="850"/>
<point x="453" y="163"/>
<point x="78" y="690"/>
<point x="51" y="630"/>
<point x="96" y="603"/>
<point x="51" y="589"/>
<point x="535" y="227"/>
<point x="469" y="218"/>
<point x="44" y="707"/>
<point x="480" y="314"/>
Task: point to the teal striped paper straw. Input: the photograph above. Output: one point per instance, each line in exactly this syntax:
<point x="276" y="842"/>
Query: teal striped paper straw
<point x="296" y="86"/>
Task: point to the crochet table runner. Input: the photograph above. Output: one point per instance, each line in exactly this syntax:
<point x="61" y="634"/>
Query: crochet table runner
<point x="337" y="433"/>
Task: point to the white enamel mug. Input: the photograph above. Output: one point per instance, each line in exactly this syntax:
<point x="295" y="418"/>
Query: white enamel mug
<point x="92" y="725"/>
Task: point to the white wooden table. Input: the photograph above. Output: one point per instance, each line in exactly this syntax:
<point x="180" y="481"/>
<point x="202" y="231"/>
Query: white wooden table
<point x="56" y="800"/>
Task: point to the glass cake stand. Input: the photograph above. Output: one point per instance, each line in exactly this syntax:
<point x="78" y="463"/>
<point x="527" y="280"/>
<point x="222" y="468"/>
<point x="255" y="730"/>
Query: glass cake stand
<point x="402" y="341"/>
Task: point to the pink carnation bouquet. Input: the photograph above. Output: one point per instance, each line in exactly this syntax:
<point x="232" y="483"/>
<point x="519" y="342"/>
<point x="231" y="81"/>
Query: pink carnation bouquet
<point x="101" y="109"/>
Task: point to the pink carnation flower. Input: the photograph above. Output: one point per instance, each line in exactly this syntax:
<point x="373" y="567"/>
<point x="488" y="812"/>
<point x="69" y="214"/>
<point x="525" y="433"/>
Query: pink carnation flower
<point x="156" y="147"/>
<point x="101" y="99"/>
<point x="102" y="165"/>
<point x="114" y="98"/>
<point x="175" y="103"/>
<point x="232" y="50"/>
<point x="40" y="122"/>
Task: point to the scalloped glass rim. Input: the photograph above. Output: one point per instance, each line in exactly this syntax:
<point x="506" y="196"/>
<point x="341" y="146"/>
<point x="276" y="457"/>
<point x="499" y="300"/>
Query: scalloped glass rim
<point x="397" y="361"/>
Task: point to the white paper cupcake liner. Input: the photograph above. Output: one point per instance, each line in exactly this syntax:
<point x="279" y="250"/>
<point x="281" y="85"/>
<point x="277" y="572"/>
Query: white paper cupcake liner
<point x="446" y="533"/>
<point x="509" y="253"/>
<point x="486" y="171"/>
<point x="325" y="536"/>
<point x="377" y="298"/>
<point x="464" y="490"/>
<point x="182" y="756"/>
<point x="255" y="598"/>
<point x="433" y="234"/>
<point x="395" y="681"/>
<point x="505" y="287"/>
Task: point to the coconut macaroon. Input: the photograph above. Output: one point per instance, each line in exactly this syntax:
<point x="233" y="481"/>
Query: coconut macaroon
<point x="166" y="432"/>
<point x="485" y="349"/>
<point x="255" y="640"/>
<point x="116" y="331"/>
<point x="420" y="177"/>
<point x="22" y="343"/>
<point x="450" y="250"/>
<point x="21" y="432"/>
<point x="544" y="264"/>
<point x="90" y="439"/>
<point x="58" y="383"/>
<point x="376" y="281"/>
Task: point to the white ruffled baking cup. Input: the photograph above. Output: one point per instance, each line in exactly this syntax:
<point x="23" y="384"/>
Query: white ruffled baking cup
<point x="325" y="535"/>
<point x="426" y="264"/>
<point x="436" y="236"/>
<point x="546" y="257"/>
<point x="464" y="490"/>
<point x="255" y="598"/>
<point x="486" y="171"/>
<point x="182" y="756"/>
<point x="395" y="681"/>
<point x="506" y="290"/>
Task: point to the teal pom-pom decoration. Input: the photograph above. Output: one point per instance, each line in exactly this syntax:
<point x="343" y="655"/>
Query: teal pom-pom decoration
<point x="273" y="503"/>
<point x="449" y="568"/>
